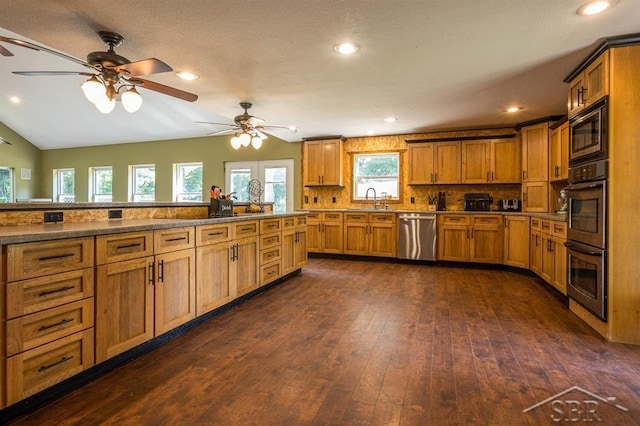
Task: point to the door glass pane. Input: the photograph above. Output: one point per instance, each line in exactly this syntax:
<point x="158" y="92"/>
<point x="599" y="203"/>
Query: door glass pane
<point x="240" y="183"/>
<point x="6" y="185"/>
<point x="275" y="189"/>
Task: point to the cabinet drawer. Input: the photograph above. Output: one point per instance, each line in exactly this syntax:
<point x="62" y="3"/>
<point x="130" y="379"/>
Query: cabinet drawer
<point x="174" y="239"/>
<point x="450" y="219"/>
<point x="42" y="367"/>
<point x="314" y="217"/>
<point x="487" y="220"/>
<point x="117" y="247"/>
<point x="270" y="225"/>
<point x="248" y="228"/>
<point x="559" y="229"/>
<point x="270" y="240"/>
<point x="536" y="224"/>
<point x="34" y="330"/>
<point x="289" y="222"/>
<point x="37" y="294"/>
<point x="30" y="260"/>
<point x="211" y="234"/>
<point x="545" y="226"/>
<point x="382" y="217"/>
<point x="332" y="217"/>
<point x="270" y="255"/>
<point x="301" y="221"/>
<point x="269" y="273"/>
<point x="356" y="217"/>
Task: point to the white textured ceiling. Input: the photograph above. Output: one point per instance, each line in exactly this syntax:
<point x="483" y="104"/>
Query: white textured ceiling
<point x="433" y="64"/>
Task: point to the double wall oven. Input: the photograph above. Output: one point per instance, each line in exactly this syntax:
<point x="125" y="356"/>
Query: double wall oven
<point x="587" y="210"/>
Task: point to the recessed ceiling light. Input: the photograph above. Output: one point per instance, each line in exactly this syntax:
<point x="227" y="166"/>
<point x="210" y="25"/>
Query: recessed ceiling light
<point x="390" y="119"/>
<point x="346" y="48"/>
<point x="513" y="109"/>
<point x="293" y="128"/>
<point x="370" y="133"/>
<point x="594" y="7"/>
<point x="15" y="99"/>
<point x="185" y="75"/>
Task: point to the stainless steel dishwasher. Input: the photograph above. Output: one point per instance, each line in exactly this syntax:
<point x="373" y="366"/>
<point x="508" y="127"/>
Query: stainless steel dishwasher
<point x="417" y="236"/>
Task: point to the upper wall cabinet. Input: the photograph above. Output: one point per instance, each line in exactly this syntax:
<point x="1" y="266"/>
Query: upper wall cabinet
<point x="491" y="161"/>
<point x="434" y="163"/>
<point x="535" y="153"/>
<point x="559" y="153"/>
<point x="322" y="162"/>
<point x="590" y="85"/>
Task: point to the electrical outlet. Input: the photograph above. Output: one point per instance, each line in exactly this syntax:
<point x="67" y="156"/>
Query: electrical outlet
<point x="53" y="217"/>
<point x="334" y="200"/>
<point x="115" y="214"/>
<point x="315" y="199"/>
<point x="306" y="198"/>
<point x="413" y="200"/>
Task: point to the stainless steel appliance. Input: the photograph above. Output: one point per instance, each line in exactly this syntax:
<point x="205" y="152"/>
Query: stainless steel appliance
<point x="417" y="236"/>
<point x="586" y="236"/>
<point x="588" y="134"/>
<point x="477" y="202"/>
<point x="512" y="205"/>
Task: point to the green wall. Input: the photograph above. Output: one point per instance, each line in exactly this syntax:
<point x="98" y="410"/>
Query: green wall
<point x="212" y="151"/>
<point x="21" y="154"/>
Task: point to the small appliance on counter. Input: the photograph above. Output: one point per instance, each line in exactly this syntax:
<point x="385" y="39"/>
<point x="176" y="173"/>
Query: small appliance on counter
<point x="221" y="208"/>
<point x="511" y="205"/>
<point x="477" y="202"/>
<point x="442" y="202"/>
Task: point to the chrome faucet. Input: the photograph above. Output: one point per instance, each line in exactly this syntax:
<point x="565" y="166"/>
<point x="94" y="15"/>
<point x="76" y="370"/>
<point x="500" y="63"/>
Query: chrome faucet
<point x="375" y="198"/>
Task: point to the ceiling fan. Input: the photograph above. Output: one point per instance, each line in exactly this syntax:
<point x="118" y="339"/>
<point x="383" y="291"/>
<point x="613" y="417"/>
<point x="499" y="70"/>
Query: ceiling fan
<point x="247" y="128"/>
<point x="111" y="74"/>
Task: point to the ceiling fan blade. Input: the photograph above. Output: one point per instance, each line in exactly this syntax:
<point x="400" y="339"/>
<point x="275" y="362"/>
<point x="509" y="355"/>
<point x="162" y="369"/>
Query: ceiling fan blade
<point x="33" y="46"/>
<point x="144" y="67"/>
<point x="255" y="121"/>
<point x="218" y="124"/>
<point x="220" y="132"/>
<point x="40" y="73"/>
<point x="292" y="130"/>
<point x="5" y="52"/>
<point x="260" y="134"/>
<point x="167" y="90"/>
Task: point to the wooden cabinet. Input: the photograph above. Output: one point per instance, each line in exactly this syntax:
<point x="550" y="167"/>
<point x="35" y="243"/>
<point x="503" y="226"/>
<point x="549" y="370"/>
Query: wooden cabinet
<point x="245" y="263"/>
<point x="516" y="241"/>
<point x="370" y="234"/>
<point x="322" y="162"/>
<point x="48" y="305"/>
<point x="548" y="253"/>
<point x="213" y="285"/>
<point x="590" y="85"/>
<point x="271" y="248"/>
<point x="325" y="232"/>
<point x="559" y="153"/>
<point x="535" y="168"/>
<point x="470" y="238"/>
<point x="294" y="247"/>
<point x="535" y="197"/>
<point x="175" y="289"/>
<point x="491" y="161"/>
<point x="434" y="162"/>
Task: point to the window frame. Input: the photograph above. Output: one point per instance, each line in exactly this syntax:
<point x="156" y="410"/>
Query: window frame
<point x="398" y="177"/>
<point x="93" y="192"/>
<point x="58" y="185"/>
<point x="257" y="171"/>
<point x="12" y="190"/>
<point x="134" y="195"/>
<point x="178" y="182"/>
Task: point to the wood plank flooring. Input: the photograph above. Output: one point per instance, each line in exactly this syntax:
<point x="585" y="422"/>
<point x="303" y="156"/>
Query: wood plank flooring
<point x="370" y="343"/>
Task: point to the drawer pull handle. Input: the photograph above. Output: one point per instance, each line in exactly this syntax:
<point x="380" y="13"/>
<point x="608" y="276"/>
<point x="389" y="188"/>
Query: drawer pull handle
<point x="62" y="360"/>
<point x="60" y="256"/>
<point x="270" y="256"/>
<point x="271" y="273"/>
<point x="177" y="239"/>
<point x="63" y="321"/>
<point x="211" y="234"/>
<point x="273" y="225"/>
<point x="246" y="229"/>
<point x="58" y="290"/>
<point x="129" y="246"/>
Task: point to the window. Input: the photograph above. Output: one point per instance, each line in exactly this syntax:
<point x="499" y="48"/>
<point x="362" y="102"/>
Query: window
<point x="187" y="182"/>
<point x="377" y="171"/>
<point x="142" y="180"/>
<point x="275" y="176"/>
<point x="101" y="184"/>
<point x="6" y="185"/>
<point x="64" y="184"/>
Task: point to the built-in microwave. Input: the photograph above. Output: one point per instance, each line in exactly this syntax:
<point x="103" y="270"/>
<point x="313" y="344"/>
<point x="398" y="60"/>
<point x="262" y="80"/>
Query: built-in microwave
<point x="588" y="134"/>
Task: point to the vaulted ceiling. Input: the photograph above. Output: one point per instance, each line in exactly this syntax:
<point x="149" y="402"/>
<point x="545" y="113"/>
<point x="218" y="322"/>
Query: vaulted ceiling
<point x="432" y="64"/>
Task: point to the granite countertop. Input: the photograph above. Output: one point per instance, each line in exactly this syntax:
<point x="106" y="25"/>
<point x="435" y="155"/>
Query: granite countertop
<point x="52" y="231"/>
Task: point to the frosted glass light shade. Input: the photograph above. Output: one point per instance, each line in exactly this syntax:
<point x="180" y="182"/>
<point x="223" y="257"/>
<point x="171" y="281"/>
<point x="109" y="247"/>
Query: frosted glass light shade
<point x="256" y="142"/>
<point x="235" y="142"/>
<point x="131" y="100"/>
<point x="94" y="90"/>
<point x="106" y="105"/>
<point x="245" y="139"/>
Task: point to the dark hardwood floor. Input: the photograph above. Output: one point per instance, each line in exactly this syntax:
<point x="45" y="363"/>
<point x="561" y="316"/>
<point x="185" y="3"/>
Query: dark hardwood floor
<point x="371" y="343"/>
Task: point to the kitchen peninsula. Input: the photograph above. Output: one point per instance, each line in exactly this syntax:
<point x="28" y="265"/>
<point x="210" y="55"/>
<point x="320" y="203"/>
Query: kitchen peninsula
<point x="93" y="291"/>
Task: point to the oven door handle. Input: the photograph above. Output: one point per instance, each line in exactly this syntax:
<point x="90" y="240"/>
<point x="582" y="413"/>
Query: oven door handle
<point x="587" y="185"/>
<point x="579" y="249"/>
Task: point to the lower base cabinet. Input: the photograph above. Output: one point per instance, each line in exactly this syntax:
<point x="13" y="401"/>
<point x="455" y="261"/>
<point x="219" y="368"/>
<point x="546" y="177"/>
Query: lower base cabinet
<point x="213" y="277"/>
<point x="175" y="290"/>
<point x="470" y="238"/>
<point x="294" y="249"/>
<point x="548" y="253"/>
<point x="516" y="241"/>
